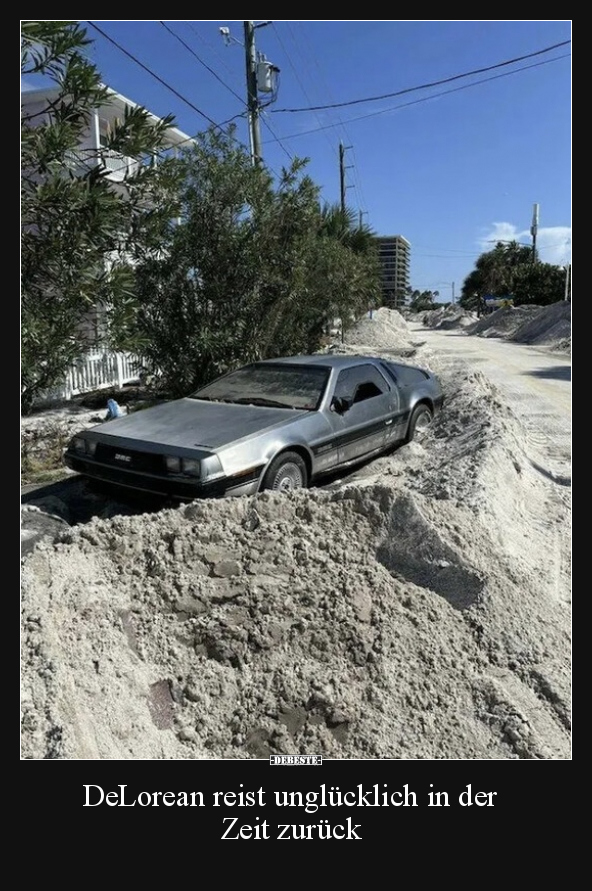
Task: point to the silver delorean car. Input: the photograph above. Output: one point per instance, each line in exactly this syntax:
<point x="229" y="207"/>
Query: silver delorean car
<point x="276" y="424"/>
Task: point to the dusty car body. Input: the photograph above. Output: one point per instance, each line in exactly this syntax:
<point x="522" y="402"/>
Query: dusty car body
<point x="275" y="424"/>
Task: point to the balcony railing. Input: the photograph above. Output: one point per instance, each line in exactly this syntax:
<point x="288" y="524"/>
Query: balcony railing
<point x="118" y="166"/>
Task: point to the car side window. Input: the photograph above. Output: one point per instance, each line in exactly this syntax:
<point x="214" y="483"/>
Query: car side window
<point x="366" y="391"/>
<point x="361" y="383"/>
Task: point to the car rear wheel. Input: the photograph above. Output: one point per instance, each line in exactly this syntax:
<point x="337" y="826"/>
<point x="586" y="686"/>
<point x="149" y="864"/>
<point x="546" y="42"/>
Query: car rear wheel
<point x="286" y="472"/>
<point x="421" y="418"/>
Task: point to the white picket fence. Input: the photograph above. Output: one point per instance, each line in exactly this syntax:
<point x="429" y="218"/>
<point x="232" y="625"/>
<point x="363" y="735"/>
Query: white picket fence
<point x="96" y="370"/>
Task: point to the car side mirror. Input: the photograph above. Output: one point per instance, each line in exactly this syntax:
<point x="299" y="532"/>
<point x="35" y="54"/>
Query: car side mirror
<point x="341" y="404"/>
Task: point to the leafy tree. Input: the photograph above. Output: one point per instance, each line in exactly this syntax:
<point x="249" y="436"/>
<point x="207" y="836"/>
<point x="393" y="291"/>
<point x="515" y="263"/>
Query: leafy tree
<point x="494" y="273"/>
<point x="352" y="278"/>
<point x="78" y="232"/>
<point x="539" y="284"/>
<point x="511" y="270"/>
<point x="253" y="270"/>
<point x="423" y="301"/>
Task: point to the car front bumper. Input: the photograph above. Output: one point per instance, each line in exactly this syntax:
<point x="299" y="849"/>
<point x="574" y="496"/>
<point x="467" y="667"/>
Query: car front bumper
<point x="182" y="489"/>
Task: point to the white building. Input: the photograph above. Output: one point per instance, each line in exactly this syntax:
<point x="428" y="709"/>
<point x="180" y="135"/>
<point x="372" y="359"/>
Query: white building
<point x="36" y="105"/>
<point x="99" y="367"/>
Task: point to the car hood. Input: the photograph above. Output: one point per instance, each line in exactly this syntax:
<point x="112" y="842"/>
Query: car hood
<point x="191" y="423"/>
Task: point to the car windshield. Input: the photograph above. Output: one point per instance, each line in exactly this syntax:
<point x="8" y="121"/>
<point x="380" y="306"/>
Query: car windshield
<point x="282" y="386"/>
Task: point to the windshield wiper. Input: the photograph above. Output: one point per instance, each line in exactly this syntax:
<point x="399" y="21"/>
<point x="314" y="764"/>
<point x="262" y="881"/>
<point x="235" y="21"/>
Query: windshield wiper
<point x="210" y="398"/>
<point x="260" y="400"/>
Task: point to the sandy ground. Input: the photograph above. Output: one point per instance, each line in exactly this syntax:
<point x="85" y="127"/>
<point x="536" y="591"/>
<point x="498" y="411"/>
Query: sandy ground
<point x="419" y="608"/>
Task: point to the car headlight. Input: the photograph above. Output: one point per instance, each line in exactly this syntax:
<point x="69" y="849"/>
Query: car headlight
<point x="190" y="466"/>
<point x="83" y="446"/>
<point x="211" y="467"/>
<point x="205" y="469"/>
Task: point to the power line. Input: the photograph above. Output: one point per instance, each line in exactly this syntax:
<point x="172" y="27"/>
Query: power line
<point x="190" y="104"/>
<point x="277" y="138"/>
<point x="266" y="123"/>
<point x="428" y="98"/>
<point x="357" y="182"/>
<point x="447" y="257"/>
<point x="435" y="83"/>
<point x="295" y="70"/>
<point x="304" y="66"/>
<point x="211" y="70"/>
<point x="210" y="47"/>
<point x="296" y="75"/>
<point x="159" y="79"/>
<point x="224" y="84"/>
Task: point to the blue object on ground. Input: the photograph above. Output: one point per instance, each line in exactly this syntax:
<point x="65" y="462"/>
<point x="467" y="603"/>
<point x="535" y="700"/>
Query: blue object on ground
<point x="113" y="410"/>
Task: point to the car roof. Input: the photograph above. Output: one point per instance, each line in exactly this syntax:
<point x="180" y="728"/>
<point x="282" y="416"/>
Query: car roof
<point x="328" y="360"/>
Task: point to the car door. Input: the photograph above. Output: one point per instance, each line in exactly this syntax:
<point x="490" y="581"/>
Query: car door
<point x="362" y="410"/>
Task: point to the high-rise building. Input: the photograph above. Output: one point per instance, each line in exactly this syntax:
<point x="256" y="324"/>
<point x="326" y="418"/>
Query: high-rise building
<point x="394" y="253"/>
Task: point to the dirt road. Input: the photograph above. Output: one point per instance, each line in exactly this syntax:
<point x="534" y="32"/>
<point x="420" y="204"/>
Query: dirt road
<point x="535" y="382"/>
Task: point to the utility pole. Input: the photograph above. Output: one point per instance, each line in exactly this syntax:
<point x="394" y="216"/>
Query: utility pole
<point x="261" y="77"/>
<point x="453" y="292"/>
<point x="252" y="100"/>
<point x="342" y="169"/>
<point x="533" y="229"/>
<point x="567" y="281"/>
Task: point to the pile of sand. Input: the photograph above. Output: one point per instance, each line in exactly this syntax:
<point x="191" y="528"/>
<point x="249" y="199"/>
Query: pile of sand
<point x="448" y="317"/>
<point x="548" y="326"/>
<point x="551" y="326"/>
<point x="384" y="329"/>
<point x="415" y="610"/>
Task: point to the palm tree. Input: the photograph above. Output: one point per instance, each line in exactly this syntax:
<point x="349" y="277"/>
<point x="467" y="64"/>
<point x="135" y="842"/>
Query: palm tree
<point x="341" y="224"/>
<point x="360" y="258"/>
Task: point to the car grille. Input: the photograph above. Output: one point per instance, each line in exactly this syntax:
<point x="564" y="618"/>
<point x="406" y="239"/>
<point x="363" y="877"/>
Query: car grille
<point x="129" y="459"/>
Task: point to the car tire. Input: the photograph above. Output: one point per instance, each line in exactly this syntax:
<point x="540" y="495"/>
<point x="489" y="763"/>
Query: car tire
<point x="286" y="472"/>
<point x="421" y="417"/>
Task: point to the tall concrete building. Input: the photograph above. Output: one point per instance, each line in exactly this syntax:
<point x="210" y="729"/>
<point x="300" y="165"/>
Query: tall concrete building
<point x="394" y="253"/>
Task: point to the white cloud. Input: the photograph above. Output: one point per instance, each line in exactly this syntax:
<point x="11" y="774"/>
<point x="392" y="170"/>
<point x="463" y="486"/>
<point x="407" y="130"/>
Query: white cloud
<point x="553" y="242"/>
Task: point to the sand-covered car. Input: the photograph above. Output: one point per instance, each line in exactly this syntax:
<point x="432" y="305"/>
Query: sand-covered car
<point x="275" y="424"/>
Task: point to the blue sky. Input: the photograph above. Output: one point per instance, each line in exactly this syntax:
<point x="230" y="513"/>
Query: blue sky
<point x="453" y="167"/>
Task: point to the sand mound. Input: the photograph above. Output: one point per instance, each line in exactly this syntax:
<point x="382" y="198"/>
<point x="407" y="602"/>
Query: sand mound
<point x="385" y="329"/>
<point x="412" y="611"/>
<point x="548" y="326"/>
<point x="448" y="317"/>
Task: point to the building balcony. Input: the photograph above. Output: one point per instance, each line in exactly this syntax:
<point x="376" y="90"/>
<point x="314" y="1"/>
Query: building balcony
<point x="118" y="166"/>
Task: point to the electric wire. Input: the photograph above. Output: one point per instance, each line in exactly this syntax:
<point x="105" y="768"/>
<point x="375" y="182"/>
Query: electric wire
<point x="229" y="88"/>
<point x="306" y="67"/>
<point x="159" y="79"/>
<point x="435" y="83"/>
<point x="355" y="167"/>
<point x="429" y="98"/>
<point x="210" y="47"/>
<point x="201" y="61"/>
<point x="179" y="95"/>
<point x="297" y="76"/>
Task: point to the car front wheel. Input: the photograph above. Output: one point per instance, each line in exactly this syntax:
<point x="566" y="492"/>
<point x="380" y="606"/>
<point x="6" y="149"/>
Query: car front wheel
<point x="286" y="472"/>
<point x="421" y="418"/>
